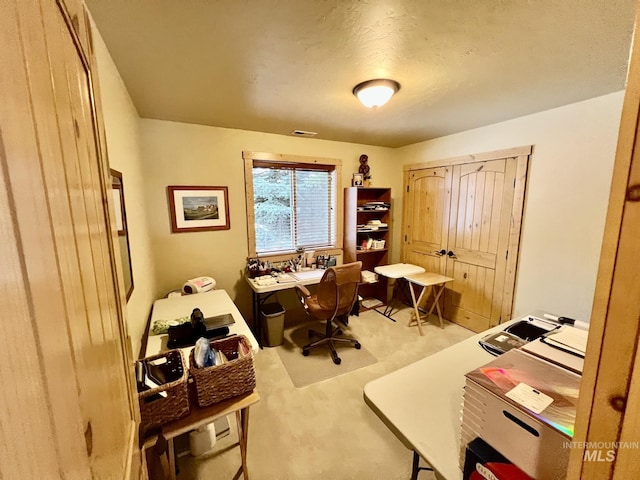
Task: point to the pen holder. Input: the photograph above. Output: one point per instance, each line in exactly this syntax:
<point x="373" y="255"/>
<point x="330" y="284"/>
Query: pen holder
<point x="253" y="271"/>
<point x="235" y="377"/>
<point x="156" y="409"/>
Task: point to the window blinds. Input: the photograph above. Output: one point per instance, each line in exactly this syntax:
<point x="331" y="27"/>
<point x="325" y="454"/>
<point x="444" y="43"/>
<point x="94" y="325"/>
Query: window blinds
<point x="294" y="207"/>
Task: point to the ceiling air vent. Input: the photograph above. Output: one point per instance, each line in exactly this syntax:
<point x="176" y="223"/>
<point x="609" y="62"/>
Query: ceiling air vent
<point x="303" y="133"/>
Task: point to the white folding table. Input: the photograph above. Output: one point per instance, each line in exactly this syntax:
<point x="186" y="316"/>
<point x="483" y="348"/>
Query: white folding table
<point x="421" y="403"/>
<point x="396" y="272"/>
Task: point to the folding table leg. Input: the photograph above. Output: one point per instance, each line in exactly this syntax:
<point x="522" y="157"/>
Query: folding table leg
<point x="415" y="467"/>
<point x="242" y="420"/>
<point x="416" y="303"/>
<point x="437" y="291"/>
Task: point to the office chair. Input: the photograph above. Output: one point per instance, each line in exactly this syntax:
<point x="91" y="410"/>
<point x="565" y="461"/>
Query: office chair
<point x="336" y="295"/>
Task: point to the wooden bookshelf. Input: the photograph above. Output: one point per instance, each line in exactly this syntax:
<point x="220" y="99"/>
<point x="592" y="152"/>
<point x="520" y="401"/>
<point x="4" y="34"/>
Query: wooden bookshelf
<point x="366" y="207"/>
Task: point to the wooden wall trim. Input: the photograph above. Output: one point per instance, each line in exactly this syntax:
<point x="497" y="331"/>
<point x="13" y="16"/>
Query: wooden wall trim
<point x="515" y="230"/>
<point x="251" y="217"/>
<point x="250" y="157"/>
<point x="612" y="350"/>
<point x="472" y="158"/>
<point x="286" y="158"/>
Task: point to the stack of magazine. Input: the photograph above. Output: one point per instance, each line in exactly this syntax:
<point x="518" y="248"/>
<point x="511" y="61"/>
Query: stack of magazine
<point x="368" y="277"/>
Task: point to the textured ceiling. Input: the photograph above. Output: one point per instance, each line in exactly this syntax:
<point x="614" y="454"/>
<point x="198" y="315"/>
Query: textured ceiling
<point x="279" y="65"/>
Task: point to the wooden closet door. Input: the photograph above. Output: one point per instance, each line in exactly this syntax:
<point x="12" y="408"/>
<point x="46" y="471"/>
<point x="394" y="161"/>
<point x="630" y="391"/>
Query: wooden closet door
<point x="481" y="199"/>
<point x="471" y="207"/>
<point x="69" y="410"/>
<point x="426" y="219"/>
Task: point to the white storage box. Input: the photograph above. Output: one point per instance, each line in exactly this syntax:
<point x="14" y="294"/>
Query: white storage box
<point x="535" y="442"/>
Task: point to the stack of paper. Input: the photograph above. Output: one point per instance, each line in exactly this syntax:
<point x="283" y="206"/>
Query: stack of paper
<point x="565" y="347"/>
<point x="286" y="278"/>
<point x="371" y="303"/>
<point x="572" y="340"/>
<point x="368" y="277"/>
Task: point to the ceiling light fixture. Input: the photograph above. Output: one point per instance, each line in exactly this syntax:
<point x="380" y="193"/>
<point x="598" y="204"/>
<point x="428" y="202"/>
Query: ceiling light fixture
<point x="375" y="93"/>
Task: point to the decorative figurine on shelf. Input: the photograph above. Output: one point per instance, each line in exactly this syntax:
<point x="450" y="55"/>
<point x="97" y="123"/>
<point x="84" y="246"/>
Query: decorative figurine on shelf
<point x="365" y="170"/>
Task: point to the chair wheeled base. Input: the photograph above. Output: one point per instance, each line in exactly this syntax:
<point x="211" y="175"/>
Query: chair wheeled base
<point x="329" y="338"/>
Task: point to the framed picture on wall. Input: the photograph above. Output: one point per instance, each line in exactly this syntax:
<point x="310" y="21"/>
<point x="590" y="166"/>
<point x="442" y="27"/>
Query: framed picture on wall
<point x="118" y="205"/>
<point x="198" y="209"/>
<point x="358" y="178"/>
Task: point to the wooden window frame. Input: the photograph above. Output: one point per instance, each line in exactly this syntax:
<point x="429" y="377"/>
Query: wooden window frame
<point x="262" y="159"/>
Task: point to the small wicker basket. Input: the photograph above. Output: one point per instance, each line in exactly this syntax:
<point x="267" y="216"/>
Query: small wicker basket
<point x="165" y="409"/>
<point x="378" y="244"/>
<point x="219" y="382"/>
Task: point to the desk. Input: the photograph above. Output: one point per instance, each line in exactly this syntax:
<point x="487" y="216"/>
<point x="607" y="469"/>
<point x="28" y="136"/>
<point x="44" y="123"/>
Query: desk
<point x="261" y="293"/>
<point x="212" y="303"/>
<point x="431" y="282"/>
<point x="396" y="271"/>
<point x="215" y="302"/>
<point x="421" y="403"/>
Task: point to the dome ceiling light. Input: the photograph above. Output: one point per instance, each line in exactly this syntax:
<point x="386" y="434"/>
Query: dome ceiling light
<point x="375" y="93"/>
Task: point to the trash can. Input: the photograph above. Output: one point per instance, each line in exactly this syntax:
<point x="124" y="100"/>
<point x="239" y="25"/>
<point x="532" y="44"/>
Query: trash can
<point x="273" y="324"/>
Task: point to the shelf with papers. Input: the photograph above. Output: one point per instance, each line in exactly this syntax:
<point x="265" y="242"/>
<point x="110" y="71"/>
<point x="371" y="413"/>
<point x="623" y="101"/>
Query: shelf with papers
<point x="372" y="250"/>
<point x="367" y="222"/>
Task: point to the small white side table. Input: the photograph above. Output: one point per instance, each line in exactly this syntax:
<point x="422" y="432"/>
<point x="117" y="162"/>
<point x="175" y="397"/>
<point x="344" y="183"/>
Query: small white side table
<point x="396" y="271"/>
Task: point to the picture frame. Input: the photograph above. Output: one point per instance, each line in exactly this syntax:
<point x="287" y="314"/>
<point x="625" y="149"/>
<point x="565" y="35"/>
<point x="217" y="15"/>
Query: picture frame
<point x="358" y="180"/>
<point x="120" y="210"/>
<point x="198" y="208"/>
<point x="118" y="203"/>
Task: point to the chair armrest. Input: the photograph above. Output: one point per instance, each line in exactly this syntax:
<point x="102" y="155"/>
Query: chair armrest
<point x="302" y="294"/>
<point x="303" y="290"/>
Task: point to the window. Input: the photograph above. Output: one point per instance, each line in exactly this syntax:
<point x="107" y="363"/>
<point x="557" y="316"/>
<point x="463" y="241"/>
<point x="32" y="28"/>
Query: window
<point x="292" y="203"/>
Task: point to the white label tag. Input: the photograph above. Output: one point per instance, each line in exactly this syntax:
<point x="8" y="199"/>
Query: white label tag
<point x="529" y="397"/>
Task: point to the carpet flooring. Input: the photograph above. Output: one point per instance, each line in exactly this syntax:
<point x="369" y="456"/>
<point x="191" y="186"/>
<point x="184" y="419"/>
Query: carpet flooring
<point x="318" y="365"/>
<point x="325" y="430"/>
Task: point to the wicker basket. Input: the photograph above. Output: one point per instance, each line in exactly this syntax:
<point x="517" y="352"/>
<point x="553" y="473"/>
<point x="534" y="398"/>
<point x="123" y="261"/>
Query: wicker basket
<point x="378" y="244"/>
<point x="165" y="409"/>
<point x="219" y="382"/>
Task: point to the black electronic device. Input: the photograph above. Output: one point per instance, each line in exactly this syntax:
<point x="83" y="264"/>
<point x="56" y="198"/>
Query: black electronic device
<point x="180" y="336"/>
<point x="219" y="321"/>
<point x="187" y="334"/>
<point x="501" y="342"/>
<point x="516" y="335"/>
<point x="526" y="330"/>
<point x="157" y="372"/>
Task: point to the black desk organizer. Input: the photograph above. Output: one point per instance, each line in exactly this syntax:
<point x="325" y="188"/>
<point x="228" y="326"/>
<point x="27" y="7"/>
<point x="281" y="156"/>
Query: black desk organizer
<point x="187" y="334"/>
<point x="514" y="336"/>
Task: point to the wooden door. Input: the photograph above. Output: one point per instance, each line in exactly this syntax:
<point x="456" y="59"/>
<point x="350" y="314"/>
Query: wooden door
<point x="470" y="207"/>
<point x="426" y="219"/>
<point x="68" y="405"/>
<point x="481" y="197"/>
<point x="608" y="418"/>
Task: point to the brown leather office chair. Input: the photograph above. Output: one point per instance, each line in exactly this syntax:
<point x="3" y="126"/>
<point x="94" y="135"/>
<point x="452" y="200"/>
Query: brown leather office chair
<point x="336" y="295"/>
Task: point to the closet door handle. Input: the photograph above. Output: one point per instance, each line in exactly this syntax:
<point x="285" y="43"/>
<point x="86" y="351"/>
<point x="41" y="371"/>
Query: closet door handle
<point x="440" y="252"/>
<point x="88" y="438"/>
<point x="451" y="254"/>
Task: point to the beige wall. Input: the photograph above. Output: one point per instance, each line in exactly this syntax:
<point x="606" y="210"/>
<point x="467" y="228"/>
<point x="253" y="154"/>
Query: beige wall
<point x="186" y="154"/>
<point x="565" y="206"/>
<point x="122" y="126"/>
<point x="566" y="201"/>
